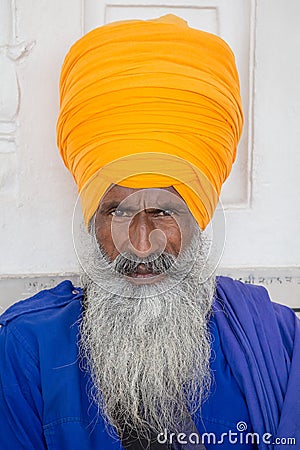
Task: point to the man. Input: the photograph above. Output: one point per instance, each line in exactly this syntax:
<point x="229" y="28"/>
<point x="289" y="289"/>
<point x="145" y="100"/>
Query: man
<point x="154" y="351"/>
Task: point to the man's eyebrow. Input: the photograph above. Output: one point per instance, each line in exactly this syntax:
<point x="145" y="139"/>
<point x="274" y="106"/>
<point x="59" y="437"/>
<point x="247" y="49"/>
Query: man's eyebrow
<point x="108" y="205"/>
<point x="113" y="204"/>
<point x="165" y="204"/>
<point x="161" y="205"/>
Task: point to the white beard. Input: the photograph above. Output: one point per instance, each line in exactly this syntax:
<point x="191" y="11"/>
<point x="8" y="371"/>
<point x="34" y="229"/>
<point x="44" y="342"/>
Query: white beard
<point x="147" y="347"/>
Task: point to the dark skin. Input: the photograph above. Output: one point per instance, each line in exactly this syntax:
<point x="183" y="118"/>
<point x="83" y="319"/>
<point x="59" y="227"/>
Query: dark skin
<point x="143" y="221"/>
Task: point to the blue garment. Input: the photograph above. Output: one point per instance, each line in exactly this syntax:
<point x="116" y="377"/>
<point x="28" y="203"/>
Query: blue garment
<point x="43" y="393"/>
<point x="261" y="342"/>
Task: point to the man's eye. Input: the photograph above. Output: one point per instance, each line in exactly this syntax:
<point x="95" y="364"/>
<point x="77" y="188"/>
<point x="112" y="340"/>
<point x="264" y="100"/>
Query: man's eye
<point x="165" y="212"/>
<point x="120" y="213"/>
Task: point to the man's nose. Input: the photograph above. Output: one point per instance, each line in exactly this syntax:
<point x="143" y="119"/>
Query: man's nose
<point x="144" y="237"/>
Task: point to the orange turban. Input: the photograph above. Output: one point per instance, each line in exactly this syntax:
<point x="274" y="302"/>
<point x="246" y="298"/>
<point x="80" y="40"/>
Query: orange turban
<point x="150" y="104"/>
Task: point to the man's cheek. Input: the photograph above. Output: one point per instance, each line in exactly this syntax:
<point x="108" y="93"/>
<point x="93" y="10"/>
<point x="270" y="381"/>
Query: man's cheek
<point x="186" y="225"/>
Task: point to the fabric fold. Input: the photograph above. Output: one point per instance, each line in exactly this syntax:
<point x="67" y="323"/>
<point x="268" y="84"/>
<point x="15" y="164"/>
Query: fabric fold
<point x="261" y="342"/>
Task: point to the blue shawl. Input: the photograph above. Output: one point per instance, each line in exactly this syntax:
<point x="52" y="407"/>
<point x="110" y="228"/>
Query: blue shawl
<point x="261" y="342"/>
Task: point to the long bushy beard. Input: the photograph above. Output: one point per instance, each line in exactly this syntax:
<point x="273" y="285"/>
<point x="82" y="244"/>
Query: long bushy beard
<point x="147" y="347"/>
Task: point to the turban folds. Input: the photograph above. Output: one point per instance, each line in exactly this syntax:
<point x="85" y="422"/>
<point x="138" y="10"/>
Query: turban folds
<point x="150" y="104"/>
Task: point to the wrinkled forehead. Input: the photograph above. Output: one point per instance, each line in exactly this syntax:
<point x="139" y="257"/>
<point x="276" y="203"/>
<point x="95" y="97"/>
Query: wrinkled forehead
<point x="149" y="198"/>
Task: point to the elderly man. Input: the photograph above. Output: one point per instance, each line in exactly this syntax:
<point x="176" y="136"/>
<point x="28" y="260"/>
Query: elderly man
<point x="154" y="351"/>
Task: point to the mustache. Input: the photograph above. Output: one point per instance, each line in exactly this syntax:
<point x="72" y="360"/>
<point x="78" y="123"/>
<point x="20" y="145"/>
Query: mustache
<point x="128" y="263"/>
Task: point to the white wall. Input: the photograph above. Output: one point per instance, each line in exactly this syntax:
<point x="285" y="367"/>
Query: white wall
<point x="38" y="195"/>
